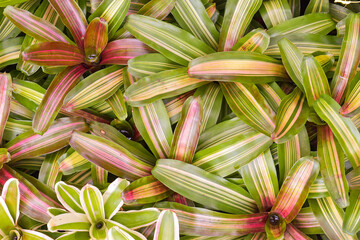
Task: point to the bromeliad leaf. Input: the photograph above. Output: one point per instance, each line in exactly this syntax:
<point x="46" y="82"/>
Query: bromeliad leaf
<point x="343" y="128"/>
<point x="92" y="203"/>
<point x="255" y="41"/>
<point x="112" y="197"/>
<point x="237" y="17"/>
<point x="158" y="9"/>
<point x="351" y="222"/>
<point x="187" y="131"/>
<point x="274" y="12"/>
<point x="165" y="38"/>
<point x="69" y="197"/>
<point x="161" y="85"/>
<point x="109" y="155"/>
<point x="167" y="226"/>
<point x="95" y="39"/>
<point x="34" y="26"/>
<point x="244" y="67"/>
<point x="5" y="97"/>
<point x="118" y="105"/>
<point x="351" y="103"/>
<point x="203" y="187"/>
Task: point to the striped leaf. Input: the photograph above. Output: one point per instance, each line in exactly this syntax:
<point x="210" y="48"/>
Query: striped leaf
<point x="343" y="128"/>
<point x="192" y="17"/>
<point x="5" y="3"/>
<point x="161" y="85"/>
<point x="255" y="41"/>
<point x="110" y="133"/>
<point x="99" y="176"/>
<point x="260" y="178"/>
<point x="136" y="219"/>
<point x="332" y="167"/>
<point x="351" y="104"/>
<point x="4" y="156"/>
<point x="187" y="131"/>
<point x="211" y="96"/>
<point x="53" y="54"/>
<point x="80" y="178"/>
<point x="149" y="64"/>
<point x="353" y="178"/>
<point x="10" y="51"/>
<point x="314" y="79"/>
<point x="119" y="52"/>
<point x="320" y="23"/>
<point x="174" y="106"/>
<point x="237" y="17"/>
<point x="19" y="110"/>
<point x="30" y="196"/>
<point x="276" y="229"/>
<point x="145" y="190"/>
<point x="291" y="117"/>
<point x="5" y="99"/>
<point x="225" y="158"/>
<point x="158" y="9"/>
<point x="203" y="222"/>
<point x="247" y="103"/>
<point x="30" y="234"/>
<point x="118" y="105"/>
<point x="112" y="201"/>
<point x="292" y="233"/>
<point x="115" y="233"/>
<point x="306" y="43"/>
<point x="351" y="224"/>
<point x="274" y="12"/>
<point x="272" y="93"/>
<point x="69" y="196"/>
<point x="244" y="67"/>
<point x="330" y="217"/>
<point x="95" y="39"/>
<point x="152" y="122"/>
<point x="134" y="234"/>
<point x="95" y="88"/>
<point x="113" y="12"/>
<point x="34" y="26"/>
<point x="174" y="43"/>
<point x="349" y="58"/>
<point x="49" y="172"/>
<point x="203" y="187"/>
<point x="92" y="203"/>
<point x="167" y="226"/>
<point x="77" y="24"/>
<point x="307" y="222"/>
<point x="54" y="96"/>
<point x="11" y="196"/>
<point x="315" y="6"/>
<point x="72" y="162"/>
<point x="109" y="155"/>
<point x="318" y="189"/>
<point x="69" y="222"/>
<point x="7" y="223"/>
<point x="294" y="190"/>
<point x="30" y="144"/>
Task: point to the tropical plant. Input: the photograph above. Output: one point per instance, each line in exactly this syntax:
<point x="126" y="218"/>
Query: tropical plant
<point x="180" y="119"/>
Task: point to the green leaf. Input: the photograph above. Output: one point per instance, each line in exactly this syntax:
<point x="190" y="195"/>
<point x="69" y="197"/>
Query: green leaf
<point x="293" y="233"/>
<point x="95" y="39"/>
<point x="317" y="6"/>
<point x="330" y="217"/>
<point x="136" y="219"/>
<point x="296" y="186"/>
<point x="11" y="196"/>
<point x="145" y="190"/>
<point x="351" y="104"/>
<point x="307" y="222"/>
<point x="30" y="144"/>
<point x="351" y="224"/>
<point x="320" y="23"/>
<point x="69" y="196"/>
<point x="272" y="93"/>
<point x="112" y="199"/>
<point x="167" y="226"/>
<point x="274" y="12"/>
<point x="332" y="167"/>
<point x="260" y="178"/>
<point x="99" y="176"/>
<point x="5" y="98"/>
<point x="133" y="234"/>
<point x="192" y="17"/>
<point x="343" y="128"/>
<point x="50" y="173"/>
<point x="187" y="131"/>
<point x="32" y="235"/>
<point x="115" y="233"/>
<point x="94" y="89"/>
<point x="158" y="9"/>
<point x="149" y="64"/>
<point x="152" y="122"/>
<point x="118" y="105"/>
<point x="314" y="79"/>
<point x="174" y="106"/>
<point x="54" y="96"/>
<point x="237" y="17"/>
<point x="77" y="24"/>
<point x="203" y="222"/>
<point x="72" y="162"/>
<point x="247" y="103"/>
<point x="109" y="155"/>
<point x="5" y="3"/>
<point x="244" y="67"/>
<point x="349" y="58"/>
<point x="203" y="187"/>
<point x="92" y="203"/>
<point x="113" y="12"/>
<point x="291" y="117"/>
<point x="275" y="231"/>
<point x="174" y="43"/>
<point x="69" y="221"/>
<point x="255" y="41"/>
<point x="10" y="51"/>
